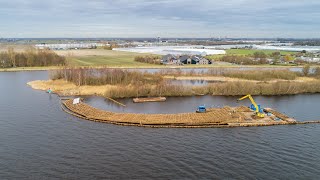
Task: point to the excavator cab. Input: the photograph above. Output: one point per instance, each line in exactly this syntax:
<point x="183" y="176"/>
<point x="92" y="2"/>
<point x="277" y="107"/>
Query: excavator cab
<point x="201" y="109"/>
<point x="255" y="109"/>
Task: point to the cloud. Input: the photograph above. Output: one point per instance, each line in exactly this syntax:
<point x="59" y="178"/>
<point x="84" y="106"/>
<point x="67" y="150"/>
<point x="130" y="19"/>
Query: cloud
<point x="151" y="18"/>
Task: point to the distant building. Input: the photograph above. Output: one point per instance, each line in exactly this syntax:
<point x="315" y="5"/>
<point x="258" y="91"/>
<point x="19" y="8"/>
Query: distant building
<point x="184" y="59"/>
<point x="70" y="46"/>
<point x="170" y="59"/>
<point x="309" y="59"/>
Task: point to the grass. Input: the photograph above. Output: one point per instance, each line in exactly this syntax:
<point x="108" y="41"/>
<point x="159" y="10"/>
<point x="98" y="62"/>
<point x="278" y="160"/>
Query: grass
<point x="244" y="52"/>
<point x="121" y="61"/>
<point x="101" y="57"/>
<point x="252" y="51"/>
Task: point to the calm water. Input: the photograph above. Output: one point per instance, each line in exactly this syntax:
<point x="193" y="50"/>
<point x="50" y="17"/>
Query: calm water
<point x="39" y="141"/>
<point x="192" y="82"/>
<point x="204" y="70"/>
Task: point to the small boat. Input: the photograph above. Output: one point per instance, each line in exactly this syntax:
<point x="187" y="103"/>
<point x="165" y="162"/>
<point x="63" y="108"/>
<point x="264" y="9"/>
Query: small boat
<point x="151" y="99"/>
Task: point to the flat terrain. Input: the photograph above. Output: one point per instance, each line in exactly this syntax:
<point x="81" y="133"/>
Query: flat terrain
<point x="244" y="52"/>
<point x="17" y="47"/>
<point x="101" y="57"/>
<point x="252" y="51"/>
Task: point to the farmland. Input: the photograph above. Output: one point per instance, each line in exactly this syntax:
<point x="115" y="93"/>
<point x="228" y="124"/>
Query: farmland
<point x="252" y="51"/>
<point x="100" y="57"/>
<point x="248" y="52"/>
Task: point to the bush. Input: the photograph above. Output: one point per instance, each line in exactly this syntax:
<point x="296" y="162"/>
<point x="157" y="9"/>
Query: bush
<point x="317" y="72"/>
<point x="306" y="70"/>
<point x="244" y="60"/>
<point x="151" y="59"/>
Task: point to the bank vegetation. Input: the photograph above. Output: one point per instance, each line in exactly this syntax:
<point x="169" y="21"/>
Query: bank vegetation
<point x="31" y="57"/>
<point x="119" y="83"/>
<point x="150" y="59"/>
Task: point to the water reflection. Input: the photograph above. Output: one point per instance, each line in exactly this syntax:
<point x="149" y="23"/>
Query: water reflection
<point x="192" y="82"/>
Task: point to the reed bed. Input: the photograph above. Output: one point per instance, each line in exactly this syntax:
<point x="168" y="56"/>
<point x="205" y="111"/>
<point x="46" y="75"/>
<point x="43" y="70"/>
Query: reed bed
<point x="142" y="84"/>
<point x="277" y="88"/>
<point x="265" y="75"/>
<point x="258" y="75"/>
<point x="225" y="89"/>
<point x="163" y="89"/>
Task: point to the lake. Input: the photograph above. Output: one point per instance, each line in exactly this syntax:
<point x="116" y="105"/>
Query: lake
<point x="40" y="141"/>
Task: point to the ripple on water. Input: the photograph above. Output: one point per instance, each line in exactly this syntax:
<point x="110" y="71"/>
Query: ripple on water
<point x="38" y="140"/>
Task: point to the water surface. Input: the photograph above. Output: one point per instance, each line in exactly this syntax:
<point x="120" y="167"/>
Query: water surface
<point x="39" y="141"/>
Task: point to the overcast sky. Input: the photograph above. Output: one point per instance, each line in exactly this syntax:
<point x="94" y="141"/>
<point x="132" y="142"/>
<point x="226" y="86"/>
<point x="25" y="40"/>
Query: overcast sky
<point x="164" y="18"/>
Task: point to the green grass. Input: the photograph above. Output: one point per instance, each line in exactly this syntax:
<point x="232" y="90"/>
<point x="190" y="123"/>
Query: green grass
<point x="105" y="61"/>
<point x="105" y="58"/>
<point x="100" y="57"/>
<point x="252" y="51"/>
<point x="243" y="52"/>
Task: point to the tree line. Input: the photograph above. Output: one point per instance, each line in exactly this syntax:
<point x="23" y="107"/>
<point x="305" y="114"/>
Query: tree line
<point x="258" y="57"/>
<point x="151" y="59"/>
<point x="31" y="57"/>
<point x="103" y="76"/>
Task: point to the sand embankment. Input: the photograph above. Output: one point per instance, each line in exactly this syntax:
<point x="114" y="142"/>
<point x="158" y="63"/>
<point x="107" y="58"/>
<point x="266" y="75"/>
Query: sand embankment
<point x="65" y="88"/>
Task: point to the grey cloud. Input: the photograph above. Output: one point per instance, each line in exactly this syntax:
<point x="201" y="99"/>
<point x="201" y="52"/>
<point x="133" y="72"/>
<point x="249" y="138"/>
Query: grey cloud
<point x="170" y="18"/>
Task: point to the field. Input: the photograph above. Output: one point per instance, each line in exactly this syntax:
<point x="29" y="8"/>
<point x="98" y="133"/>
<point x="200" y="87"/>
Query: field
<point x="100" y="57"/>
<point x="243" y="52"/>
<point x="252" y="51"/>
<point x="17" y="47"/>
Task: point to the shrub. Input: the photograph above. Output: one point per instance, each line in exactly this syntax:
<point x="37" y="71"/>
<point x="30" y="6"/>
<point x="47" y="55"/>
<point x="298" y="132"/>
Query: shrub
<point x="151" y="59"/>
<point x="306" y="70"/>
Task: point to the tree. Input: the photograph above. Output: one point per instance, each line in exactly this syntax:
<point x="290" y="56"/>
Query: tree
<point x="288" y="58"/>
<point x="30" y="53"/>
<point x="256" y="55"/>
<point x="306" y="70"/>
<point x="276" y="57"/>
<point x="12" y="56"/>
<point x="259" y="55"/>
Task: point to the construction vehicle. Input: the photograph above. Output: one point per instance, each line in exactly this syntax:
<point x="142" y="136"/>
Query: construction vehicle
<point x="254" y="106"/>
<point x="201" y="109"/>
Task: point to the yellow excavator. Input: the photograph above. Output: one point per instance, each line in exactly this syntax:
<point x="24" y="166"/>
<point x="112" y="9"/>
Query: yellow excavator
<point x="254" y="106"/>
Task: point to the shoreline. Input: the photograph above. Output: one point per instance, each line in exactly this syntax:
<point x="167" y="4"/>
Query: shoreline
<point x="65" y="88"/>
<point x="150" y="67"/>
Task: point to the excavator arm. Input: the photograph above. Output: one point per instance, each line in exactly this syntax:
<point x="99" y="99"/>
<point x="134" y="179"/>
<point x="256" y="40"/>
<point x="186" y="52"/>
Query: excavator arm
<point x="254" y="104"/>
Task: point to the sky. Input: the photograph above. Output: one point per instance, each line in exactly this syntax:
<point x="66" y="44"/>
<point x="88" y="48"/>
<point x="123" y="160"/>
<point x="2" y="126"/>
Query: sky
<point x="159" y="18"/>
